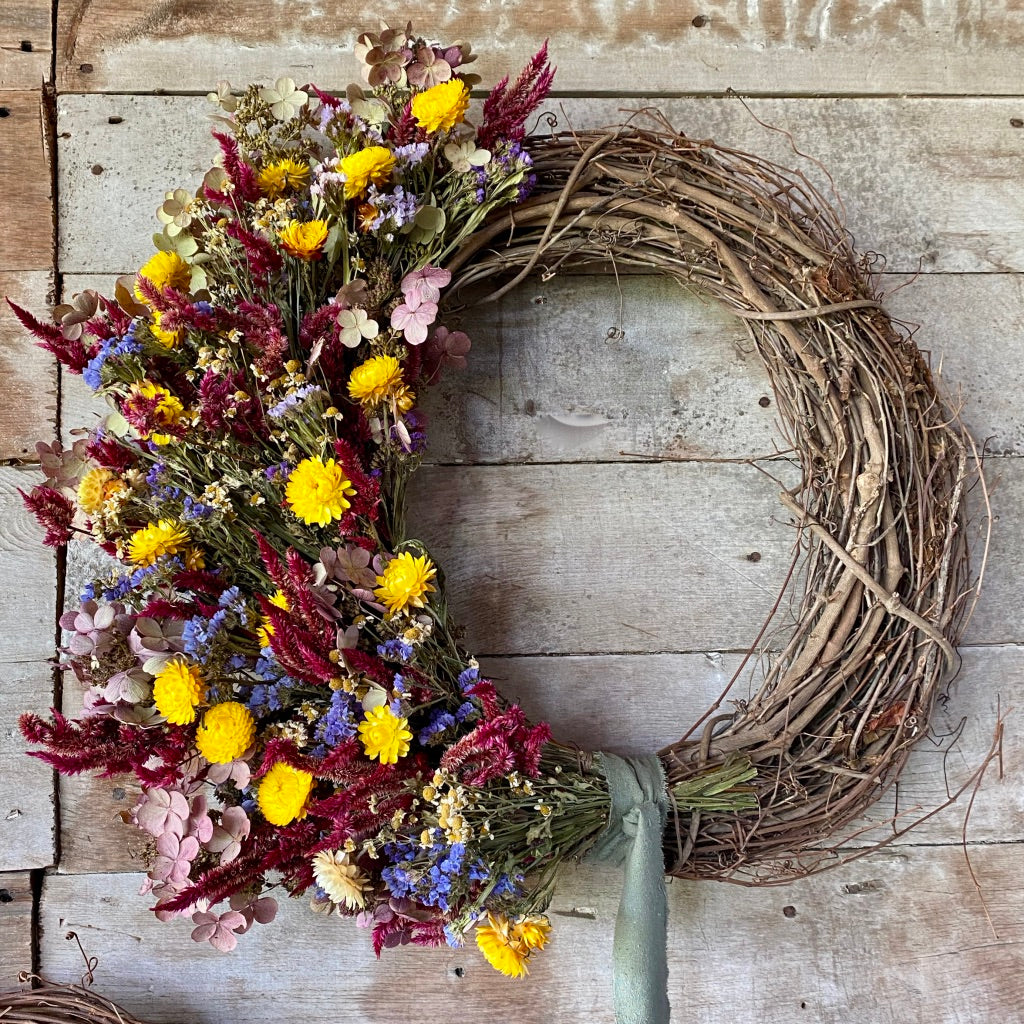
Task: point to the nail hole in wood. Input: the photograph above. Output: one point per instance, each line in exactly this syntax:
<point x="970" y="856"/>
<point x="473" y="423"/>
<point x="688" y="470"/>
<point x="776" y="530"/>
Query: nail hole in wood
<point x="764" y="401"/>
<point x="114" y="119"/>
<point x="26" y="46"/>
<point x="5" y="896"/>
<point x="97" y="168"/>
<point x="85" y="68"/>
<point x="700" y="21"/>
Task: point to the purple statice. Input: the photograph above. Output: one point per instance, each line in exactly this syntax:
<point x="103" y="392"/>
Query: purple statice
<point x="395" y="649"/>
<point x="264" y="698"/>
<point x="438" y="879"/>
<point x="278" y="469"/>
<point x="397" y="208"/>
<point x="411" y="154"/>
<point x="467" y="677"/>
<point x="464" y="710"/>
<point x="196" y="509"/>
<point x="293" y="400"/>
<point x="399" y="683"/>
<point x="439" y="721"/>
<point x="109" y="347"/>
<point x="232" y="600"/>
<point x="526" y="187"/>
<point x="118" y="590"/>
<point x="398" y="880"/>
<point x="91" y="373"/>
<point x="155" y="474"/>
<point x="506" y="886"/>
<point x="126" y="346"/>
<point x="340" y="721"/>
<point x="88" y="592"/>
<point x="199" y="633"/>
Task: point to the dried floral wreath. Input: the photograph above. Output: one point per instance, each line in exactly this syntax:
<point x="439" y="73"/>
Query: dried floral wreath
<point x="275" y="662"/>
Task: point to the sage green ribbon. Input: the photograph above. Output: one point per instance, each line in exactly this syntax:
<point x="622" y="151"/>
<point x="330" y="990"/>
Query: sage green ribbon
<point x="639" y="806"/>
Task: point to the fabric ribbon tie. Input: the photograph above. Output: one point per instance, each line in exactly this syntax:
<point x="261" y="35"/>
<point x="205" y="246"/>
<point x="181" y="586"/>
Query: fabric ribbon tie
<point x="639" y="807"/>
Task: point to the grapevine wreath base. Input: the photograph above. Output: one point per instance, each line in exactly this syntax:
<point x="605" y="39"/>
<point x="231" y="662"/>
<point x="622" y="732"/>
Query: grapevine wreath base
<point x="278" y="666"/>
<point x="880" y="508"/>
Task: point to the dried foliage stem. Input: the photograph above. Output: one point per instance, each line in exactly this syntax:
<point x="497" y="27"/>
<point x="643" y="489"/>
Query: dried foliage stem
<point x="885" y="462"/>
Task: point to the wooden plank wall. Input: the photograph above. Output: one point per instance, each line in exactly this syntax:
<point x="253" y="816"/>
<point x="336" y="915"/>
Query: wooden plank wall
<point x="581" y="573"/>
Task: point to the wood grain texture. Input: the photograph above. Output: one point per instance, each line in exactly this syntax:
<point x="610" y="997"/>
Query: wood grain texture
<point x="901" y="938"/>
<point x="601" y="558"/>
<point x="941" y="194"/>
<point x="666" y="693"/>
<point x="546" y="382"/>
<point x="758" y="46"/>
<point x="26" y="642"/>
<point x="15" y="927"/>
<point x="25" y="44"/>
<point x="26" y="243"/>
<point x="29" y="411"/>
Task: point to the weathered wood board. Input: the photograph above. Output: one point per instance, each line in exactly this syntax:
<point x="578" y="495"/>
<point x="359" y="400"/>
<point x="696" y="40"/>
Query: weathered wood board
<point x="26" y="642"/>
<point x="755" y="46"/>
<point x="26" y="242"/>
<point x="941" y="194"/>
<point x="897" y="939"/>
<point x="25" y="49"/>
<point x="15" y="927"/>
<point x="546" y="382"/>
<point x="29" y="372"/>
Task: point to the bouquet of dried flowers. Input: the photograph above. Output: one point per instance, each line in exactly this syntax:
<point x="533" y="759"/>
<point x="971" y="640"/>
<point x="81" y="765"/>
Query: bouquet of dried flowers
<point x="273" y="659"/>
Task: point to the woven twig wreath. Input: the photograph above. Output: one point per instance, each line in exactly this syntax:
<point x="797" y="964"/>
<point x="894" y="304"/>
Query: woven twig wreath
<point x="880" y="507"/>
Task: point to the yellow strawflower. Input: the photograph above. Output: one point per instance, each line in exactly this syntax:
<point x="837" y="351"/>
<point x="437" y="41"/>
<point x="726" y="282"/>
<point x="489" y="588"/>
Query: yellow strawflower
<point x="343" y="882"/>
<point x="168" y="411"/>
<point x="508" y="946"/>
<point x="169" y="339"/>
<point x="283" y="794"/>
<point x="318" y="491"/>
<point x="303" y="239"/>
<point x="406" y="581"/>
<point x="385" y="736"/>
<point x="156" y="540"/>
<point x="376" y="380"/>
<point x="227" y="732"/>
<point x="282" y="176"/>
<point x="165" y="270"/>
<point x="177" y="689"/>
<point x="266" y="629"/>
<point x="441" y="107"/>
<point x="96" y="487"/>
<point x="370" y="165"/>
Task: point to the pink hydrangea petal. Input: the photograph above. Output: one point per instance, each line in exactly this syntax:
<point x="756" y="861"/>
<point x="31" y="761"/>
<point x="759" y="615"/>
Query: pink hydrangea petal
<point x="188" y="848"/>
<point x="204" y="933"/>
<point x="223" y="940"/>
<point x="168" y="845"/>
<point x="265" y="910"/>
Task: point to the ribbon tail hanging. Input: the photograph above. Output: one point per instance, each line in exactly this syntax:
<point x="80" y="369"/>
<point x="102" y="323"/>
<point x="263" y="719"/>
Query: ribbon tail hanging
<point x="639" y="805"/>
